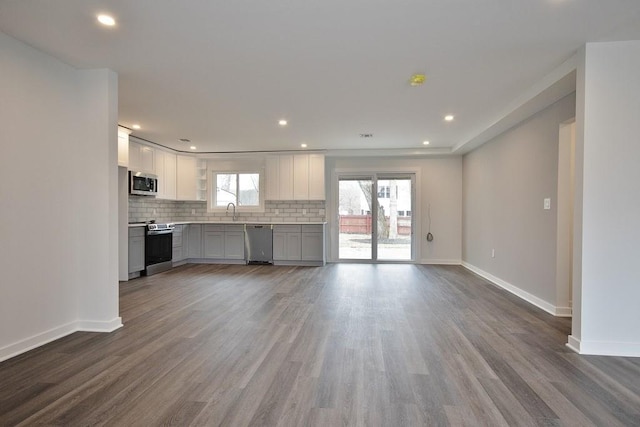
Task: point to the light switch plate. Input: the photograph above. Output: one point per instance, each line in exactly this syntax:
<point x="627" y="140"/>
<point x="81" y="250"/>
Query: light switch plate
<point x="547" y="204"/>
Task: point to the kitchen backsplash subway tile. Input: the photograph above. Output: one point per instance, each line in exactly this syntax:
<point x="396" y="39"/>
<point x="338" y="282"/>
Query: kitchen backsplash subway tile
<point x="147" y="208"/>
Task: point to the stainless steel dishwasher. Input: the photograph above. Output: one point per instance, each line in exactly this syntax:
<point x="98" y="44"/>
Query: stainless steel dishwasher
<point x="259" y="244"/>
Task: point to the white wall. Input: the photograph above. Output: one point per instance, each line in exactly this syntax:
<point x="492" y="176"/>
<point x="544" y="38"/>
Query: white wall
<point x="504" y="184"/>
<point x="57" y="180"/>
<point x="609" y="205"/>
<point x="440" y="184"/>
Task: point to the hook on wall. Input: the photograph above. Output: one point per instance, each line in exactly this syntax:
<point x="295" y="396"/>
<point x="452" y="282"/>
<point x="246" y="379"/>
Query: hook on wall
<point x="429" y="235"/>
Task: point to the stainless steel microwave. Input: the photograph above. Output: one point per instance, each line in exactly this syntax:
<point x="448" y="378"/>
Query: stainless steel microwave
<point x="143" y="184"/>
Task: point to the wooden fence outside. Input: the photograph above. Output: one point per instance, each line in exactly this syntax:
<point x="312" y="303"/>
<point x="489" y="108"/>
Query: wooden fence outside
<point x="361" y="224"/>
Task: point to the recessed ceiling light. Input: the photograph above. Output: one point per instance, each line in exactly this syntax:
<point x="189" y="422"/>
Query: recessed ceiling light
<point x="417" y="79"/>
<point x="282" y="122"/>
<point x="425" y="142"/>
<point x="448" y="118"/>
<point x="193" y="147"/>
<point x="106" y="20"/>
<point x="303" y="145"/>
<point x="136" y="126"/>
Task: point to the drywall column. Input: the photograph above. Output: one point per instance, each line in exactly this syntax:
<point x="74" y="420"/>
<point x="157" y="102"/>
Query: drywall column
<point x="97" y="198"/>
<point x="57" y="182"/>
<point x="607" y="277"/>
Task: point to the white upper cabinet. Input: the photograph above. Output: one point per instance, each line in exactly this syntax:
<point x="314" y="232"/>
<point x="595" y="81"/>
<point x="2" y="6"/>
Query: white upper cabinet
<point x="279" y="177"/>
<point x="301" y="177"/>
<point x="186" y="178"/>
<point x="295" y="177"/>
<point x="191" y="178"/>
<point x="285" y="180"/>
<point x="272" y="178"/>
<point x="166" y="171"/>
<point x="141" y="158"/>
<point x="170" y="175"/>
<point x="316" y="177"/>
<point x="123" y="147"/>
<point x="134" y="157"/>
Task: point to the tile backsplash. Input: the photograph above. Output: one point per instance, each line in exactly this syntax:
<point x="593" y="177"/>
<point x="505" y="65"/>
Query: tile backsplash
<point x="146" y="208"/>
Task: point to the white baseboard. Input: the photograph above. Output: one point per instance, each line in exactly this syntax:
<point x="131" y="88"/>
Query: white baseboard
<point x="564" y="312"/>
<point x="604" y="348"/>
<point x="97" y="326"/>
<point x="38" y="340"/>
<point x="574" y="344"/>
<point x="441" y="261"/>
<point x="530" y="298"/>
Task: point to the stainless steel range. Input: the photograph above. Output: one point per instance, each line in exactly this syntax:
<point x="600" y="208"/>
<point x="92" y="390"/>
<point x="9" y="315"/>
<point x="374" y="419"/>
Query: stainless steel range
<point x="158" y="248"/>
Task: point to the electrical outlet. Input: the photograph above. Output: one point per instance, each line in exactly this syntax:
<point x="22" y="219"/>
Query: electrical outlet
<point x="154" y="212"/>
<point x="321" y="212"/>
<point x="547" y="204"/>
<point x="304" y="211"/>
<point x="193" y="211"/>
<point x="277" y="211"/>
<point x="493" y="253"/>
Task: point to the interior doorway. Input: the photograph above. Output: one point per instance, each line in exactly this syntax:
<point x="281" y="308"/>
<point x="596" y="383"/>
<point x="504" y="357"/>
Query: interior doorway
<point x="566" y="190"/>
<point x="375" y="217"/>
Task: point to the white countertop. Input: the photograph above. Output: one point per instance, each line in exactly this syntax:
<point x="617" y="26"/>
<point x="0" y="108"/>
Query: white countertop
<point x="142" y="224"/>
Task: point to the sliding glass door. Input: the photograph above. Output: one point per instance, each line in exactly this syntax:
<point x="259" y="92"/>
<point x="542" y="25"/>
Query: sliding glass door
<point x="394" y="223"/>
<point x="375" y="217"/>
<point x="355" y="218"/>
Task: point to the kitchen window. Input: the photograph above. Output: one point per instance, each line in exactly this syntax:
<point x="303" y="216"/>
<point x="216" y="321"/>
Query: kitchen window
<point x="243" y="189"/>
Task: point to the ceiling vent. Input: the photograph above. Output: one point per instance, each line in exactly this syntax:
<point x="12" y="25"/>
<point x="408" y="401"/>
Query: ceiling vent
<point x="366" y="135"/>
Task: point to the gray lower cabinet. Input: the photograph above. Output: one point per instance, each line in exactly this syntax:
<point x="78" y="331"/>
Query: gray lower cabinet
<point x="293" y="244"/>
<point x="213" y="241"/>
<point x="178" y="244"/>
<point x="299" y="244"/>
<point x="234" y="242"/>
<point x="313" y="243"/>
<point x="194" y="241"/>
<point x="224" y="241"/>
<point x="136" y="249"/>
<point x="287" y="242"/>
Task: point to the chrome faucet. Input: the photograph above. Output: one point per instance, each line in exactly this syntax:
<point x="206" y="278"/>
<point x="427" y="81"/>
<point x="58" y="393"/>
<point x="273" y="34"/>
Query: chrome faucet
<point x="234" y="210"/>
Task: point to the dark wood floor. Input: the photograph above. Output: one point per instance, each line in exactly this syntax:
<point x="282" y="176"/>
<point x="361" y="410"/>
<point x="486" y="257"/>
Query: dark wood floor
<point x="361" y="345"/>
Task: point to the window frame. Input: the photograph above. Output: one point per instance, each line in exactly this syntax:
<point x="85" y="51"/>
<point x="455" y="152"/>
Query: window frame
<point x="213" y="181"/>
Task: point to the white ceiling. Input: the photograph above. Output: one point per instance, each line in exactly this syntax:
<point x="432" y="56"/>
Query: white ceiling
<point x="221" y="73"/>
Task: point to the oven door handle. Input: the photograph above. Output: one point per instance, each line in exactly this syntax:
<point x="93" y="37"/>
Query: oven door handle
<point x="157" y="232"/>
